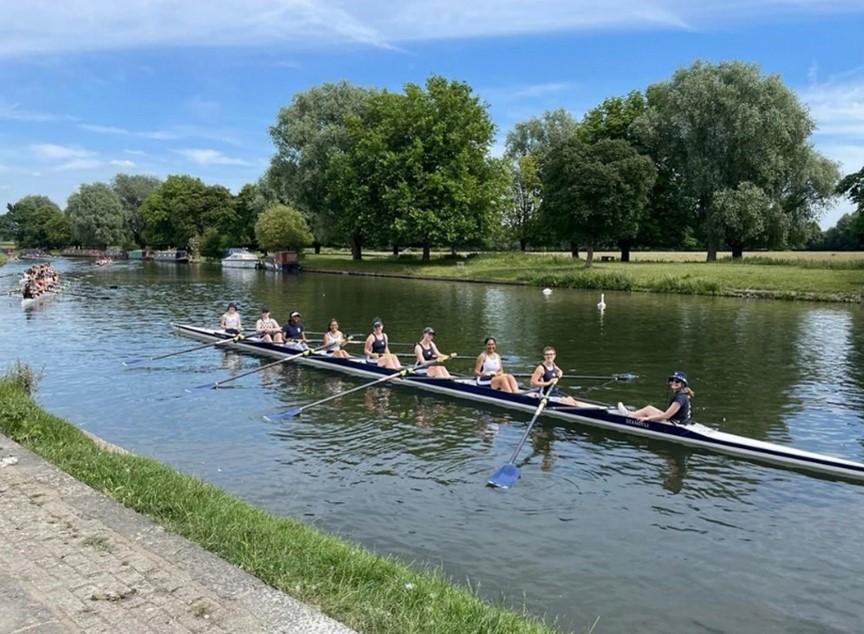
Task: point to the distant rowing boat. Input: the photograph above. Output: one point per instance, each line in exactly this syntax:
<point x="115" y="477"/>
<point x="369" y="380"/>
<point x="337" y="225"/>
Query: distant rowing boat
<point x="602" y="415"/>
<point x="30" y="302"/>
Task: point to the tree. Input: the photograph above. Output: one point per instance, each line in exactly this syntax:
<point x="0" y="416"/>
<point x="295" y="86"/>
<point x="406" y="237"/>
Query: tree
<point x="96" y="216"/>
<point x="35" y="222"/>
<point x="595" y="193"/>
<point x="132" y="189"/>
<point x="182" y="209"/>
<point x="739" y="215"/>
<point x="420" y="161"/>
<point x="525" y="148"/>
<point x="717" y="127"/>
<point x="282" y="227"/>
<point x="307" y="135"/>
<point x="852" y="185"/>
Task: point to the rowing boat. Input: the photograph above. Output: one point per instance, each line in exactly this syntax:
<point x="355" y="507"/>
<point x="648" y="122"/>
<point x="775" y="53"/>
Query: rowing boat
<point x="601" y="415"/>
<point x="30" y="302"/>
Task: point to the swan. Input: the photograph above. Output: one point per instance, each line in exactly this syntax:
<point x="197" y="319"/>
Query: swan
<point x="547" y="291"/>
<point x="602" y="303"/>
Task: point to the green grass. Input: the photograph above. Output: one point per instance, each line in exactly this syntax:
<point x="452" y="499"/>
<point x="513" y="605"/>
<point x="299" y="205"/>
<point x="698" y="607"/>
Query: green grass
<point x="817" y="276"/>
<point x="370" y="593"/>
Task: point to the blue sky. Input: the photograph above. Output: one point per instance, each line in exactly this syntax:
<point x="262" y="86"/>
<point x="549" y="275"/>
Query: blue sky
<point x="90" y="88"/>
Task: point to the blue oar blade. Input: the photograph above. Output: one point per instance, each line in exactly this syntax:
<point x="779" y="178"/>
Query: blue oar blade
<point x="134" y="362"/>
<point x="505" y="477"/>
<point x="627" y="376"/>
<point x="288" y="413"/>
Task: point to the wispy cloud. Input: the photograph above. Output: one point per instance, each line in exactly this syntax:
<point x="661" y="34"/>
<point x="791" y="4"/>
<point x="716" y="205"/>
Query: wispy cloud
<point x="14" y="112"/>
<point x="210" y="157"/>
<point x="52" y="152"/>
<point x="122" y="163"/>
<point x="102" y="129"/>
<point x="79" y="165"/>
<point x="79" y="25"/>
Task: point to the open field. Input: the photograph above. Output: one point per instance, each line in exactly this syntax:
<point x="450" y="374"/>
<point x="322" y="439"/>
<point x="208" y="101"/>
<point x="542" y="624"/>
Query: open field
<point x="814" y="276"/>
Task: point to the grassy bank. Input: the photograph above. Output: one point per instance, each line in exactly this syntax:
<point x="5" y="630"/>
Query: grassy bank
<point x="369" y="593"/>
<point x="814" y="276"/>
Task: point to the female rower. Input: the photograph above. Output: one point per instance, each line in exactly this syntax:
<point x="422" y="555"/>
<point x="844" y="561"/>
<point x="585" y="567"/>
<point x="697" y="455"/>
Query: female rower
<point x="678" y="410"/>
<point x="230" y="321"/>
<point x="546" y="373"/>
<point x="294" y="333"/>
<point x="268" y="328"/>
<point x="334" y="337"/>
<point x="427" y="355"/>
<point x="377" y="348"/>
<point x="489" y="369"/>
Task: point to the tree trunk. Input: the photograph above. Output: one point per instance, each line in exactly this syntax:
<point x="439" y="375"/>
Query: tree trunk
<point x="737" y="251"/>
<point x="625" y="250"/>
<point x="395" y="250"/>
<point x="523" y="244"/>
<point x="317" y="247"/>
<point x="574" y="250"/>
<point x="426" y="254"/>
<point x="356" y="247"/>
<point x="712" y="250"/>
<point x="589" y="256"/>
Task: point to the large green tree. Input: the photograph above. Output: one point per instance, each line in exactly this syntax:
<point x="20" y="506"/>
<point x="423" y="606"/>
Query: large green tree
<point x="35" y="222"/>
<point x="307" y="134"/>
<point x="719" y="126"/>
<point x="281" y="227"/>
<point x="185" y="213"/>
<point x="525" y="148"/>
<point x="421" y="160"/>
<point x="132" y="189"/>
<point x="96" y="217"/>
<point x="595" y="193"/>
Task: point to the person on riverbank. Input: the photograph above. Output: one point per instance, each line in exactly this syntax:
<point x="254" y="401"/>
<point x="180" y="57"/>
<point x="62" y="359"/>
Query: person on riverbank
<point x="230" y="321"/>
<point x="547" y="374"/>
<point x="334" y="337"/>
<point x="427" y="357"/>
<point x="377" y="348"/>
<point x="677" y="411"/>
<point x="489" y="369"/>
<point x="294" y="333"/>
<point x="268" y="328"/>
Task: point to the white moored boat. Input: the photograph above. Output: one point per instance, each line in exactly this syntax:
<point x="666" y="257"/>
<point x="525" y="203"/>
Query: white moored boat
<point x="240" y="260"/>
<point x="602" y="415"/>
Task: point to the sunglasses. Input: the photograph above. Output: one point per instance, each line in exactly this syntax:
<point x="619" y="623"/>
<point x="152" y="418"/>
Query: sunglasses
<point x="671" y="381"/>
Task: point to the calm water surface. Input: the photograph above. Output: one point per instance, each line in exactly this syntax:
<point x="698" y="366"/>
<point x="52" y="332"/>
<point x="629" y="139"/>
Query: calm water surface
<point x="650" y="537"/>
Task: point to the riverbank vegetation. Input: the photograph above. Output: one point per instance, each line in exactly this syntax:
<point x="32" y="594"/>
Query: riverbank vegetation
<point x="367" y="592"/>
<point x="717" y="157"/>
<point x="817" y="276"/>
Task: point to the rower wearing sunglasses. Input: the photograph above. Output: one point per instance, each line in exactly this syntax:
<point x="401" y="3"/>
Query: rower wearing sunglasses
<point x="678" y="410"/>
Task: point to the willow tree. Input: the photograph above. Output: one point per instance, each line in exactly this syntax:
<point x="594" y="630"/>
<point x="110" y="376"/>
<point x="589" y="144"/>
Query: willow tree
<point x="720" y="126"/>
<point x="96" y="216"/>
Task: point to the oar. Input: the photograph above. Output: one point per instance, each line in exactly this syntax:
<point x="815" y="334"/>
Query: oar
<point x="295" y="411"/>
<point x="625" y="376"/>
<point x="507" y="475"/>
<point x="305" y="353"/>
<point x="65" y="292"/>
<point x="171" y="354"/>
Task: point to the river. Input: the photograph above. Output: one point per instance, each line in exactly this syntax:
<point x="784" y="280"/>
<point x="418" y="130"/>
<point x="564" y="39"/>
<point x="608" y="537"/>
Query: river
<point x="649" y="537"/>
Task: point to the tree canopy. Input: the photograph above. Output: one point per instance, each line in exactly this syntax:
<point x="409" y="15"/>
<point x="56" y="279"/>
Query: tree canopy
<point x="281" y="227"/>
<point x="96" y="217"/>
<point x="35" y="222"/>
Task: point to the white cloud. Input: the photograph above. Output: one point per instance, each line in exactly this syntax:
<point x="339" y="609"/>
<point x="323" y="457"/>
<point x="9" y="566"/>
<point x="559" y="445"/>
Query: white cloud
<point x="14" y="112"/>
<point x="52" y="152"/>
<point x="122" y="163"/>
<point x="79" y="164"/>
<point x="102" y="129"/>
<point x="210" y="157"/>
<point x="34" y="27"/>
